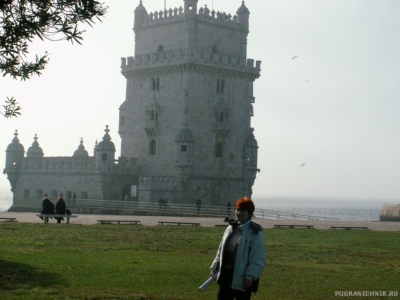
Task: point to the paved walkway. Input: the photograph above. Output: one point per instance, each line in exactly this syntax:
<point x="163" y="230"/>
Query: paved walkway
<point x="28" y="217"/>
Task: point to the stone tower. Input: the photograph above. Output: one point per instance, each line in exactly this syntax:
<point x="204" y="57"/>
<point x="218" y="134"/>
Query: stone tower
<point x="188" y="107"/>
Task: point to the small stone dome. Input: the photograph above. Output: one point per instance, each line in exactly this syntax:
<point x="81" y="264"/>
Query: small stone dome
<point x="140" y="8"/>
<point x="251" y="141"/>
<point x="106" y="144"/>
<point x="81" y="150"/>
<point x="15" y="145"/>
<point x="184" y="135"/>
<point x="243" y="10"/>
<point x="35" y="150"/>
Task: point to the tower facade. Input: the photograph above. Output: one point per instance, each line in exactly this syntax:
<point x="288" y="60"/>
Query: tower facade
<point x="188" y="107"/>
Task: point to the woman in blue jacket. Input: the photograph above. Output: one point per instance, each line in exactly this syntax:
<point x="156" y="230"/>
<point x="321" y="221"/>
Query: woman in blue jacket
<point x="241" y="256"/>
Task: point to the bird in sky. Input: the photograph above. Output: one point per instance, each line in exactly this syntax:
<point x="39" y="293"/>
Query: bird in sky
<point x="307" y="80"/>
<point x="302" y="165"/>
<point x="294" y="57"/>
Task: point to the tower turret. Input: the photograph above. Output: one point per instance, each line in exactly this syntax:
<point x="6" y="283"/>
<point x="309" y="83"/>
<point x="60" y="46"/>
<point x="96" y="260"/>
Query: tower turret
<point x="243" y="14"/>
<point x="14" y="153"/>
<point x="14" y="156"/>
<point x="140" y="15"/>
<point x="34" y="150"/>
<point x="190" y="8"/>
<point x="105" y="153"/>
<point x="250" y="159"/>
<point x="80" y="152"/>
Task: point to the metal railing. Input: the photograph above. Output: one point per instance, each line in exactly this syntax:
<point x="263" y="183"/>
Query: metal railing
<point x="279" y="215"/>
<point x="133" y="207"/>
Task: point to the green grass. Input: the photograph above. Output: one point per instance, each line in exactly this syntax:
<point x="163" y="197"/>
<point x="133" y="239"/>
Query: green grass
<point x="49" y="261"/>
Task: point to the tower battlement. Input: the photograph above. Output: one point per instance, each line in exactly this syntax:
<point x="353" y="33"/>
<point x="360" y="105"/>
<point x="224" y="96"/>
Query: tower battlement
<point x="204" y="14"/>
<point x="57" y="164"/>
<point x="179" y="56"/>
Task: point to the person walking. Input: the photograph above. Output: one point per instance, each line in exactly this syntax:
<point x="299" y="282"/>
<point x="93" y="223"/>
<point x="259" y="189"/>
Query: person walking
<point x="241" y="256"/>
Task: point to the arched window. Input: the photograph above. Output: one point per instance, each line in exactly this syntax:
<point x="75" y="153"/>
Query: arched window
<point x="152" y="147"/>
<point x="104" y="156"/>
<point x="157" y="83"/>
<point x="218" y="85"/>
<point x="153" y="84"/>
<point x="218" y="150"/>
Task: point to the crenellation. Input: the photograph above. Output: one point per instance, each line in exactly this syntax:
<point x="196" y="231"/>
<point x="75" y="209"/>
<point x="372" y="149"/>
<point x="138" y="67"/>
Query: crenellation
<point x="177" y="14"/>
<point x="171" y="57"/>
<point x="54" y="163"/>
<point x="250" y="63"/>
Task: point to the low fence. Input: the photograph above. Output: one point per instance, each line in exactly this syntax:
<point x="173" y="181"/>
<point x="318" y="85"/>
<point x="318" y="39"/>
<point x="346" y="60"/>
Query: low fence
<point x="279" y="215"/>
<point x="134" y="207"/>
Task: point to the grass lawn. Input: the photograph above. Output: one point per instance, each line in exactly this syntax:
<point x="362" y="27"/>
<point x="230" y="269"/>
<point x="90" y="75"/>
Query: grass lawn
<point x="49" y="261"/>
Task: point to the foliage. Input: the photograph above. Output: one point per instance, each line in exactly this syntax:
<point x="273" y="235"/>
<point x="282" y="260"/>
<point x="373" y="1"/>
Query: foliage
<point x="51" y="261"/>
<point x="23" y="20"/>
<point x="11" y="109"/>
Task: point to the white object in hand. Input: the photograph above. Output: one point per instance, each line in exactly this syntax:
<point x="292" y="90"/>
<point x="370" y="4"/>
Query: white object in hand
<point x="206" y="284"/>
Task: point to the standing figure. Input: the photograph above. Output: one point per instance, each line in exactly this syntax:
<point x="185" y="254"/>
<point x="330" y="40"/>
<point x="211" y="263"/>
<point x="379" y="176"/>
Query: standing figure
<point x="198" y="204"/>
<point x="161" y="203"/>
<point x="228" y="207"/>
<point x="60" y="209"/>
<point x="241" y="256"/>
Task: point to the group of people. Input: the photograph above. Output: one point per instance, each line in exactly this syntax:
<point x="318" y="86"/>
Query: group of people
<point x="60" y="208"/>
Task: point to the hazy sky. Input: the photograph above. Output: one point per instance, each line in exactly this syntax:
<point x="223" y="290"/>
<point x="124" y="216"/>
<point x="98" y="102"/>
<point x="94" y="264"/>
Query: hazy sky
<point x="344" y="123"/>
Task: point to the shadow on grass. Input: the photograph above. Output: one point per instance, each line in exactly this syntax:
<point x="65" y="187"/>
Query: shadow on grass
<point x="15" y="276"/>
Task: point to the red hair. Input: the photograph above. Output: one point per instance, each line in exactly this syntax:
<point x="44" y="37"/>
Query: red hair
<point x="245" y="203"/>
